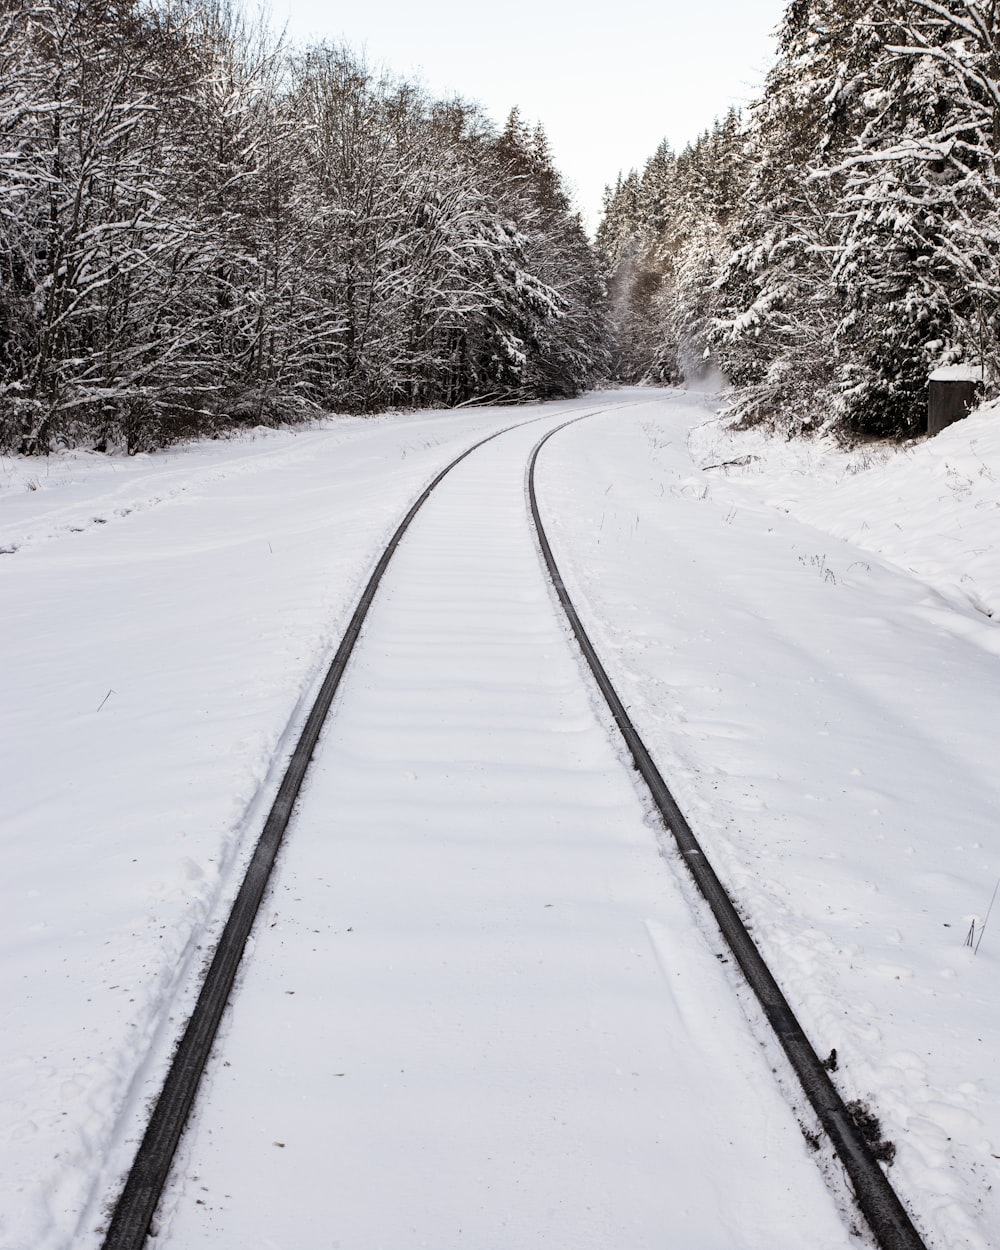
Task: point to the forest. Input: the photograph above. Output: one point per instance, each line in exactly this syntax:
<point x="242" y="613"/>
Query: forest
<point x="201" y="228"/>
<point x="829" y="250"/>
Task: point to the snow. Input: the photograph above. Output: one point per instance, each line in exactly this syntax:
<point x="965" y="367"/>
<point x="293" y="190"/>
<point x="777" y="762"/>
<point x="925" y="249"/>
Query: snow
<point x="957" y="373"/>
<point x="166" y="617"/>
<point x="514" y="988"/>
<point x="803" y="634"/>
<point x="827" y="720"/>
<point x="930" y="507"/>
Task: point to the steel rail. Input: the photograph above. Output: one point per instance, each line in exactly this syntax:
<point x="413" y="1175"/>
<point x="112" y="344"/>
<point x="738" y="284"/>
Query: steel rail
<point x="886" y="1216"/>
<point x="150" y="1169"/>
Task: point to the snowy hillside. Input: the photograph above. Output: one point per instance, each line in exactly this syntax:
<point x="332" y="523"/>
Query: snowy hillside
<point x="931" y="506"/>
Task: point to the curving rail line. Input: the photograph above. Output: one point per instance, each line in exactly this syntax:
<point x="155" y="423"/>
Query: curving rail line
<point x="133" y="1214"/>
<point x="137" y="1204"/>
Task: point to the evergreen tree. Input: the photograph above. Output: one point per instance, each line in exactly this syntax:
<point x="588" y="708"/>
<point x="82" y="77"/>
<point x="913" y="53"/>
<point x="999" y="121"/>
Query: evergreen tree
<point x="919" y="265"/>
<point x="779" y="308"/>
<point x="844" y="242"/>
<point x="663" y="240"/>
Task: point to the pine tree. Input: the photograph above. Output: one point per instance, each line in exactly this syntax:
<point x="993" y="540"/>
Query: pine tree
<point x="780" y="306"/>
<point x="663" y="238"/>
<point x="920" y="260"/>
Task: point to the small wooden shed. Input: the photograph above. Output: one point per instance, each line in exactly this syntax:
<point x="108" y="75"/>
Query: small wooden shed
<point x="952" y="391"/>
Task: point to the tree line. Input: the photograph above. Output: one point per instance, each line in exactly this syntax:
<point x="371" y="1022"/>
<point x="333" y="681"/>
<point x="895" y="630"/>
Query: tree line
<point x="830" y="250"/>
<point x="200" y="227"/>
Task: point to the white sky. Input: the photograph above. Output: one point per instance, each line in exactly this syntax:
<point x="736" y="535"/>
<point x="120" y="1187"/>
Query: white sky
<point x="607" y="81"/>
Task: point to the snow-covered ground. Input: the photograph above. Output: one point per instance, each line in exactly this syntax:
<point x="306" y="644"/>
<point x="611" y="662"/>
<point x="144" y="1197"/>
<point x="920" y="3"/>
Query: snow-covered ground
<point x="479" y="1010"/>
<point x="803" y="635"/>
<point x="165" y="618"/>
<point x="826" y="711"/>
<point x="931" y="507"/>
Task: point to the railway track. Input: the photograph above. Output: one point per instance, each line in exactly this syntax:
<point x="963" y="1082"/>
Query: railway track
<point x="459" y="556"/>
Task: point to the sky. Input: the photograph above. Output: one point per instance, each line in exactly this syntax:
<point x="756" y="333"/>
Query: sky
<point x="608" y="82"/>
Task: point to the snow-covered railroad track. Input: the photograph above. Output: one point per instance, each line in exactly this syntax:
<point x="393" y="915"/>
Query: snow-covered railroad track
<point x="480" y="1012"/>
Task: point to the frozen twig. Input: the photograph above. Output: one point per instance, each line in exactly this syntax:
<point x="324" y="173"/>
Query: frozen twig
<point x="982" y="927"/>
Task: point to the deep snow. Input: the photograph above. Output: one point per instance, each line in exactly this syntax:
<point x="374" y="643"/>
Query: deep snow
<point x="522" y="1039"/>
<point x="165" y="618"/>
<point x="819" y="688"/>
<point x="827" y="718"/>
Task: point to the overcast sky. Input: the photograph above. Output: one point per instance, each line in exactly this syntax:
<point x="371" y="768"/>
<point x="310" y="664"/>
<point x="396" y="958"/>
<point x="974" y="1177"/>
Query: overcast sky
<point x="608" y="82"/>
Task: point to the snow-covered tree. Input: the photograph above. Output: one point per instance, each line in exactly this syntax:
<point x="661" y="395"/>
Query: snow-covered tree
<point x="83" y="211"/>
<point x="663" y="239"/>
<point x="866" y="249"/>
<point x="565" y="322"/>
<point x="779" y="307"/>
<point x="199" y="227"/>
<point x="920" y="252"/>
